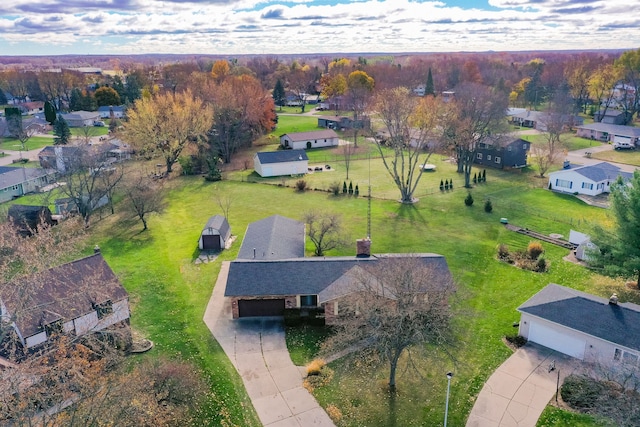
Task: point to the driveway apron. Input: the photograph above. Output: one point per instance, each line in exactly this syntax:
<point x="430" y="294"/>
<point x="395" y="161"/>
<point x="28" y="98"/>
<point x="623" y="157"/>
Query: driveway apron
<point x="518" y="391"/>
<point x="256" y="347"/>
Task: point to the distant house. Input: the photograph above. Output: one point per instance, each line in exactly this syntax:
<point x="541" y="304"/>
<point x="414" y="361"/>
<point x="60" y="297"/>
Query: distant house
<point x="106" y="110"/>
<point x="308" y="140"/>
<point x="589" y="180"/>
<point x="539" y="119"/>
<point x="343" y="122"/>
<point x="67" y="158"/>
<point x="80" y="119"/>
<point x="77" y="298"/>
<point x="275" y="278"/>
<point x="26" y="218"/>
<point x="604" y="132"/>
<point x="509" y="155"/>
<point x="282" y="162"/>
<point x="215" y="234"/>
<point x="68" y="205"/>
<point x="31" y="108"/>
<point x="582" y="325"/>
<point x="16" y="181"/>
<point x="612" y="117"/>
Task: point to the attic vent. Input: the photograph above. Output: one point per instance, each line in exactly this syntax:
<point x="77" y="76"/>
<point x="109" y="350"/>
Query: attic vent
<point x="614" y="299"/>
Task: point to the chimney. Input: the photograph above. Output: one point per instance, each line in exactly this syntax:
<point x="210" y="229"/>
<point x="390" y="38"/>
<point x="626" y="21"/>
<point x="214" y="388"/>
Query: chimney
<point x="614" y="299"/>
<point x="566" y="164"/>
<point x="363" y="248"/>
<point x="96" y="249"/>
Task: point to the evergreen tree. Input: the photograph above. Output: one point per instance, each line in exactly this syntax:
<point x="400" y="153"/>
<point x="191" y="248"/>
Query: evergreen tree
<point x="279" y="96"/>
<point x="429" y="88"/>
<point x="484" y="175"/>
<point x="344" y="187"/>
<point x="49" y="112"/>
<point x="3" y="98"/>
<point x="61" y="131"/>
<point x="350" y="187"/>
<point x="13" y="116"/>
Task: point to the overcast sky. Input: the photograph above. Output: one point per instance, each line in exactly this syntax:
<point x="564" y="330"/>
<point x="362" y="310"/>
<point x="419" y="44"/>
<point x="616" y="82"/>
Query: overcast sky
<point x="49" y="27"/>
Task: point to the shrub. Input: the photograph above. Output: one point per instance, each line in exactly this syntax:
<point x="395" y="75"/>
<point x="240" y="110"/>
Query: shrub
<point x="451" y="184"/>
<point x="356" y="192"/>
<point x="581" y="391"/>
<point x="475" y="178"/>
<point x="350" y="187"/>
<point x="516" y="340"/>
<point x="468" y="200"/>
<point x="301" y="185"/>
<point x="441" y="185"/>
<point x="534" y="250"/>
<point x="334" y="188"/>
<point x="315" y="367"/>
<point x="488" y="207"/>
<point x="503" y="251"/>
<point x="541" y="265"/>
<point x="344" y="187"/>
<point x="446" y="184"/>
<point x="292" y="317"/>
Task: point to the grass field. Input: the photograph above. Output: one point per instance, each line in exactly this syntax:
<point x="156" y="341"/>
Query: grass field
<point x="33" y="143"/>
<point x="169" y="293"/>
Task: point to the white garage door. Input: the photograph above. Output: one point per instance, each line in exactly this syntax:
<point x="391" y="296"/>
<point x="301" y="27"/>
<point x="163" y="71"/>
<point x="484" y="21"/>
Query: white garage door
<point x="556" y="340"/>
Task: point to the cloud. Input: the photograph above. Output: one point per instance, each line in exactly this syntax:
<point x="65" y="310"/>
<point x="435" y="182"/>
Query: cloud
<point x="273" y="14"/>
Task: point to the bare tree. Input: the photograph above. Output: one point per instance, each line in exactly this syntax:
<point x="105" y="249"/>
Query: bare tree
<point x="324" y="230"/>
<point x="86" y="134"/>
<point x="409" y="126"/>
<point x="479" y="117"/>
<point x="224" y="200"/>
<point x="144" y="196"/>
<point x="397" y="304"/>
<point x="347" y="152"/>
<point x="554" y="122"/>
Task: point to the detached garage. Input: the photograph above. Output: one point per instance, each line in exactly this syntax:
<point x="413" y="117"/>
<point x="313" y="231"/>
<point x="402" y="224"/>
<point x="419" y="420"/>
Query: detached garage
<point x="582" y="325"/>
<point x="282" y="162"/>
<point x="215" y="234"/>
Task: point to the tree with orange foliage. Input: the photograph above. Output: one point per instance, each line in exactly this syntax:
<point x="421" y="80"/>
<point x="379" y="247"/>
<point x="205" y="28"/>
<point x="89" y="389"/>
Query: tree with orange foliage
<point x="220" y="70"/>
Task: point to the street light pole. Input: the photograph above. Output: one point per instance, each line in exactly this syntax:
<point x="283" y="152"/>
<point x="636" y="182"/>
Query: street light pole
<point x="446" y="407"/>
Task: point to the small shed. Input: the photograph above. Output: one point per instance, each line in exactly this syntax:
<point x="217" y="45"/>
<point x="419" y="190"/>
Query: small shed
<point x="215" y="234"/>
<point x="27" y="219"/>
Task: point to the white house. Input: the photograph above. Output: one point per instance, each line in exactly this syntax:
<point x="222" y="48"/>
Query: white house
<point x="77" y="298"/>
<point x="589" y="180"/>
<point x="282" y="162"/>
<point x="80" y="119"/>
<point x="307" y="140"/>
<point x="605" y="132"/>
<point x="106" y="110"/>
<point x="582" y="325"/>
<point x="215" y="234"/>
<point x="16" y="181"/>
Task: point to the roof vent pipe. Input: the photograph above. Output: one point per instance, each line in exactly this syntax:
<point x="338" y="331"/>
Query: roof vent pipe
<point x="614" y="299"/>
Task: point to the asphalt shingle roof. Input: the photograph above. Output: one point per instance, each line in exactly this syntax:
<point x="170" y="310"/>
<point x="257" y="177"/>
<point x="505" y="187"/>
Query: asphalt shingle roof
<point x="275" y="237"/>
<point x="329" y="278"/>
<point x="316" y="134"/>
<point x="613" y="129"/>
<point x="218" y="222"/>
<point x="282" y="156"/>
<point x="602" y="172"/>
<point x="590" y="314"/>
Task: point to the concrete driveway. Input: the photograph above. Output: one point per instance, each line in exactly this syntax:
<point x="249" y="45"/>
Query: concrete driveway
<point x="518" y="391"/>
<point x="257" y="349"/>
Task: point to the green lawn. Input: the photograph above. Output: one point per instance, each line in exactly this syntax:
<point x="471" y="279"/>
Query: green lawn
<point x="629" y="157"/>
<point x="291" y="124"/>
<point x="34" y="143"/>
<point x="169" y="293"/>
<point x="569" y="140"/>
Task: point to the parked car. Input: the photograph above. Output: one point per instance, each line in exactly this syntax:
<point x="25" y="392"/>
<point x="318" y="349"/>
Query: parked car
<point x="622" y="145"/>
<point x="99" y="123"/>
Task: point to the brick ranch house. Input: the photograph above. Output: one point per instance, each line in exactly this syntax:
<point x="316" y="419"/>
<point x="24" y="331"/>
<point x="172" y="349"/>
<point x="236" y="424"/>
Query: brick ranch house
<point x="274" y="276"/>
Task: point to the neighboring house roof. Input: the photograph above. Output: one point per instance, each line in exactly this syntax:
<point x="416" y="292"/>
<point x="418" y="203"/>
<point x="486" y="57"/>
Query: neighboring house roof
<point x="610" y="113"/>
<point x="10" y="176"/>
<point x="329" y="278"/>
<point x="61" y="293"/>
<point x="316" y="134"/>
<point x="282" y="156"/>
<point x="618" y="324"/>
<point x="109" y="108"/>
<point x="80" y="115"/>
<point x="275" y="237"/>
<point x="218" y="222"/>
<point x="613" y="129"/>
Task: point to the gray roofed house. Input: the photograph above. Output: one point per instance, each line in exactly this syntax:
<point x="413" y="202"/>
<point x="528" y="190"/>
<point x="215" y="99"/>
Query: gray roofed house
<point x="582" y="325"/>
<point x="272" y="273"/>
<point x="81" y="118"/>
<point x="76" y="298"/>
<point x="308" y="140"/>
<point x="281" y="162"/>
<point x="589" y="180"/>
<point x="275" y="237"/>
<point x="16" y="181"/>
<point x="605" y="132"/>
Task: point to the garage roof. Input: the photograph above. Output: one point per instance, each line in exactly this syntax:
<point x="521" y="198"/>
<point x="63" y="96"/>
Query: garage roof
<point x="590" y="314"/>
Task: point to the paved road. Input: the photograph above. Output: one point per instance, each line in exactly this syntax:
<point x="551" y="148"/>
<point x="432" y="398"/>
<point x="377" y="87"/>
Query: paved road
<point x="518" y="391"/>
<point x="257" y="349"/>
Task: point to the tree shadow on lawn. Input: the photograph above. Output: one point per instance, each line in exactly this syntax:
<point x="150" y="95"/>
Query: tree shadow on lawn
<point x="410" y="213"/>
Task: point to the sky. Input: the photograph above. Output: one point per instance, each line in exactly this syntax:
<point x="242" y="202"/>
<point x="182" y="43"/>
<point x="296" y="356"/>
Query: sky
<point x="119" y="27"/>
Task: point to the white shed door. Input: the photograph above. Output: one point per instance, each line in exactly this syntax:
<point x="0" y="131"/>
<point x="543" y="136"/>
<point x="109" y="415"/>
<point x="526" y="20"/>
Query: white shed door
<point x="556" y="340"/>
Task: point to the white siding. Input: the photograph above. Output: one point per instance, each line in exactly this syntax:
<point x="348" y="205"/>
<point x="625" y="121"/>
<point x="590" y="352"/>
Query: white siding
<point x="36" y="339"/>
<point x="281" y="169"/>
<point x="86" y="323"/>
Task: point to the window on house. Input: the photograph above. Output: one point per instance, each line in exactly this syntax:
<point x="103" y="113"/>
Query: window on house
<point x="587" y="186"/>
<point x="524" y="146"/>
<point x="498" y="159"/>
<point x="509" y="148"/>
<point x="482" y="145"/>
<point x="479" y="156"/>
<point x="563" y="183"/>
<point x="103" y="309"/>
<point x="308" y="301"/>
<point x="617" y="354"/>
<point x="489" y="157"/>
<point x="629" y="358"/>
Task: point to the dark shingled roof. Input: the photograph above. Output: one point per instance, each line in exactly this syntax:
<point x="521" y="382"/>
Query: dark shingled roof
<point x="218" y="222"/>
<point x="275" y="237"/>
<point x="592" y="315"/>
<point x="326" y="277"/>
<point x="282" y="156"/>
<point x="61" y="293"/>
<point x="602" y="171"/>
